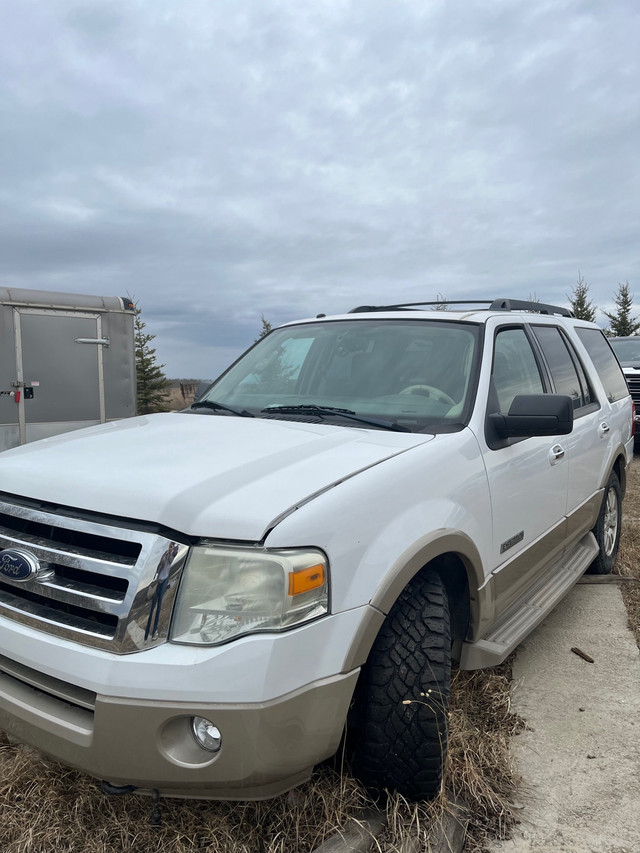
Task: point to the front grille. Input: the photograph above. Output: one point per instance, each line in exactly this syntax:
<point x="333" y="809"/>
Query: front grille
<point x="634" y="388"/>
<point x="89" y="544"/>
<point x="99" y="584"/>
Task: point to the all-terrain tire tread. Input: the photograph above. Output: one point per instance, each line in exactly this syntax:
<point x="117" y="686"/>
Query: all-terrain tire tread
<point x="405" y="698"/>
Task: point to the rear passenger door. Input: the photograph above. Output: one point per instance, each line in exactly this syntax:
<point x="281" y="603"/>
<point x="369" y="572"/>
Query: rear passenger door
<point x="588" y="444"/>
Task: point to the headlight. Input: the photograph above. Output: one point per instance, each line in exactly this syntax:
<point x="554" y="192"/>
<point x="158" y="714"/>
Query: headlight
<point x="227" y="592"/>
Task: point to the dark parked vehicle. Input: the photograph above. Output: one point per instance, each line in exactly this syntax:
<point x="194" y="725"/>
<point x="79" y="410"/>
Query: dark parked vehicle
<point x="628" y="353"/>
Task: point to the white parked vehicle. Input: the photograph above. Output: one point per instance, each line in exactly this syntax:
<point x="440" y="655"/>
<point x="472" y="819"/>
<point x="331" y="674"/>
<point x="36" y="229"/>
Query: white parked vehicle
<point x="201" y="602"/>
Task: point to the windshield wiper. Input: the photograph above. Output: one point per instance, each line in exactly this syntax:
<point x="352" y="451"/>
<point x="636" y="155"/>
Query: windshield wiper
<point x="220" y="407"/>
<point x="331" y="411"/>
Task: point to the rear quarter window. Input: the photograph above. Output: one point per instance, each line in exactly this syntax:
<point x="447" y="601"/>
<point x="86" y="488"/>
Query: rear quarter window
<point x="605" y="362"/>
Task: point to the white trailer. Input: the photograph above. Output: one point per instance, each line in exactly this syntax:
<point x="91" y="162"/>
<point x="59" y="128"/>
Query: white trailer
<point x="66" y="361"/>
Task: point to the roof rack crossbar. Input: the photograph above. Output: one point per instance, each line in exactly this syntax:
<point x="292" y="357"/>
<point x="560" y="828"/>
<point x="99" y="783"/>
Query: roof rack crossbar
<point x="493" y="305"/>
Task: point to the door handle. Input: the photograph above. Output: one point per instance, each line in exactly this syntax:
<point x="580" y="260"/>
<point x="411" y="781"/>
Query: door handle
<point x="604" y="428"/>
<point x="556" y="453"/>
<point x="103" y="342"/>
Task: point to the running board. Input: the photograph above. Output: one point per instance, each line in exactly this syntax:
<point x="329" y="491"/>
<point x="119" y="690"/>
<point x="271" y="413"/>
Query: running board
<point x="521" y="619"/>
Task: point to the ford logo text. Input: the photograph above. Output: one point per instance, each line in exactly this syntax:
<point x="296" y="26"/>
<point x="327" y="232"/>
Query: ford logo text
<point x="18" y="565"/>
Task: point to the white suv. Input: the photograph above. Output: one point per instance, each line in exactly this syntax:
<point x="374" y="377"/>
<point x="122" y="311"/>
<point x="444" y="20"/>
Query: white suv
<point x="199" y="602"/>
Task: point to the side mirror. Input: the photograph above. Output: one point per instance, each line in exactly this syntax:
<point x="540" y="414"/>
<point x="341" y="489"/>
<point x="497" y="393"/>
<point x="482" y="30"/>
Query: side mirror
<point x="535" y="414"/>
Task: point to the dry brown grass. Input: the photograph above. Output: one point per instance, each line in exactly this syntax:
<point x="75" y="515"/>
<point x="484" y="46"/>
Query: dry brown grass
<point x="628" y="564"/>
<point x="45" y="807"/>
<point x="181" y="393"/>
<point x="480" y="762"/>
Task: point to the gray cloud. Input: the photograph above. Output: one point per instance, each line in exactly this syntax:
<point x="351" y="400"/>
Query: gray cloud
<point x="223" y="161"/>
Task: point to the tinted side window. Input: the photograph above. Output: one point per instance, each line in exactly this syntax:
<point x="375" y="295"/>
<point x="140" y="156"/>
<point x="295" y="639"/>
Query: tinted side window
<point x="605" y="362"/>
<point x="566" y="371"/>
<point x="515" y="370"/>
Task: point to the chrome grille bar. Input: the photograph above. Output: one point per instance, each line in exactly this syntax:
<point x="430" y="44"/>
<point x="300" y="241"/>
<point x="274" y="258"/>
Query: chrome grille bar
<point x="97" y="583"/>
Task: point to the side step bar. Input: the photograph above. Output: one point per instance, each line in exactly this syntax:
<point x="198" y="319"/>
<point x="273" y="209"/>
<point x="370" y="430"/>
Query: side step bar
<point x="541" y="598"/>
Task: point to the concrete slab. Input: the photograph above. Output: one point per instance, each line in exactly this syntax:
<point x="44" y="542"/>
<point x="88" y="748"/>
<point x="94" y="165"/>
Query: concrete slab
<point x="358" y="836"/>
<point x="580" y="761"/>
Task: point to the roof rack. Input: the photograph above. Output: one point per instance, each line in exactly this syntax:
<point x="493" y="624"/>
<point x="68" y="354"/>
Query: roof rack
<point x="443" y="303"/>
<point x="527" y="305"/>
<point x="492" y="305"/>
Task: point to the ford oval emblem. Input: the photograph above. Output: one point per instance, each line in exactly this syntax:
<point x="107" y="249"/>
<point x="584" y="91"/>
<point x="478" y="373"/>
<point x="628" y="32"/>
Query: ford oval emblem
<point x="18" y="565"/>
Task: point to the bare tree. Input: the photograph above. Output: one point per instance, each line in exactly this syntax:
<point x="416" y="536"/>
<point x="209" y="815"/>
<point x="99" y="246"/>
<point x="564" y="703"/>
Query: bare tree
<point x="441" y="303"/>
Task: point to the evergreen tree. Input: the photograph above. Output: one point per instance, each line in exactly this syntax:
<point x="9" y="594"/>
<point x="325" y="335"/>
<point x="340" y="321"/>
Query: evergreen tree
<point x="622" y="323"/>
<point x="579" y="301"/>
<point x="151" y="383"/>
<point x="266" y="328"/>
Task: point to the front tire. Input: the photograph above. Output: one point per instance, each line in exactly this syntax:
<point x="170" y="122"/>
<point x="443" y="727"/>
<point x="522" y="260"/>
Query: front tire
<point x="607" y="529"/>
<point x="401" y="738"/>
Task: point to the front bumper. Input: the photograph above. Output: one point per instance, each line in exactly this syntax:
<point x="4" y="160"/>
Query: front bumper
<point x="280" y="702"/>
<point x="267" y="747"/>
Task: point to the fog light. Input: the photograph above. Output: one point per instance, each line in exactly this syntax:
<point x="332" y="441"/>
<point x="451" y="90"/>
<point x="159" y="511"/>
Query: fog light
<point x="206" y="734"/>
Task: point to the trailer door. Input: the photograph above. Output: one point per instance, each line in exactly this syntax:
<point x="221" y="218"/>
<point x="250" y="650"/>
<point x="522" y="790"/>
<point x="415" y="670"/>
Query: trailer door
<point x="60" y="371"/>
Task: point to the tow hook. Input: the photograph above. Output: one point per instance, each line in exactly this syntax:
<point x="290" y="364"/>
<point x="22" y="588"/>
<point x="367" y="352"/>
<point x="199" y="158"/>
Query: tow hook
<point x="119" y="790"/>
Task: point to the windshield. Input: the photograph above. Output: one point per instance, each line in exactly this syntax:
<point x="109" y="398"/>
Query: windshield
<point x="627" y="349"/>
<point x="416" y="373"/>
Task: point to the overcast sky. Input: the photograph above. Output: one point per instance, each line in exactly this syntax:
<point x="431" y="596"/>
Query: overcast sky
<point x="223" y="159"/>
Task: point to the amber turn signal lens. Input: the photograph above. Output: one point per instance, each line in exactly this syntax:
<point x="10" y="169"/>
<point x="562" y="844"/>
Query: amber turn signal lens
<point x="306" y="579"/>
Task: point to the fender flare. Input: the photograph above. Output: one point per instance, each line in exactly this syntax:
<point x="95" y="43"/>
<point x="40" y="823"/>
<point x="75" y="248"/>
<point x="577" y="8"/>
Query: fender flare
<point x="426" y="549"/>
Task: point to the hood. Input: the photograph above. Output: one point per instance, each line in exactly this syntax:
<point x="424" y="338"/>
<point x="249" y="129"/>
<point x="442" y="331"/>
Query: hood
<point x="204" y="475"/>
